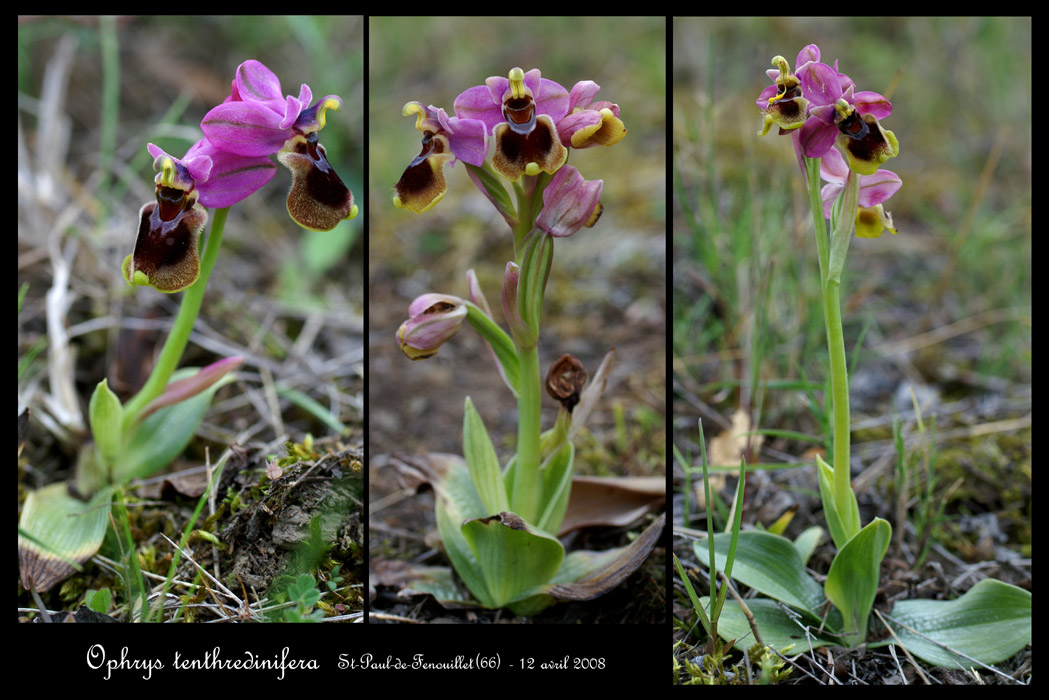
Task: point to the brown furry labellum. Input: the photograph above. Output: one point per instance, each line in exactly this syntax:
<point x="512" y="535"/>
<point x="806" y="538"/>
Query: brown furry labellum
<point x="565" y="381"/>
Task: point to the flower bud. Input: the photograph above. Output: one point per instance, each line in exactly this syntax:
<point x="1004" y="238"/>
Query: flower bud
<point x="569" y="203"/>
<point x="432" y="319"/>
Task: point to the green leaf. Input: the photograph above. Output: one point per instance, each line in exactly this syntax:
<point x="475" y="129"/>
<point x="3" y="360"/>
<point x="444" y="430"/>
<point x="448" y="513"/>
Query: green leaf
<point x="163" y="436"/>
<point x="556" y="487"/>
<point x="990" y="623"/>
<point x="807" y="542"/>
<point x="515" y="558"/>
<point x="482" y="462"/>
<point x="501" y="344"/>
<point x="778" y="629"/>
<point x="835" y="522"/>
<point x="99" y="601"/>
<point x="91" y="472"/>
<point x="852" y="581"/>
<point x="767" y="563"/>
<point x="60" y="533"/>
<point x="106" y="415"/>
<point x="457" y="500"/>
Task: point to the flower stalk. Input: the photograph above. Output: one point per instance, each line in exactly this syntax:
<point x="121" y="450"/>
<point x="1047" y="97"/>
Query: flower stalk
<point x="225" y="167"/>
<point x="178" y="338"/>
<point x="525" y="500"/>
<point x="836" y="135"/>
<point x="839" y="376"/>
<point x="509" y="557"/>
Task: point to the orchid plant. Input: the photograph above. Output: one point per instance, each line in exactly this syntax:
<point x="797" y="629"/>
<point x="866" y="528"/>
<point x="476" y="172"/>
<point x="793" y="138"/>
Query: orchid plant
<point x="499" y="523"/>
<point x="62" y="525"/>
<point x="837" y="134"/>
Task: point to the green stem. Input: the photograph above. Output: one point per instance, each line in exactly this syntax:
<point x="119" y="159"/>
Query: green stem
<point x="839" y="377"/>
<point x="525" y="498"/>
<point x="529" y="192"/>
<point x="177" y="340"/>
<point x="812" y="170"/>
<point x="535" y="266"/>
<point x="831" y="256"/>
<point x="523" y="191"/>
<point x="839" y="383"/>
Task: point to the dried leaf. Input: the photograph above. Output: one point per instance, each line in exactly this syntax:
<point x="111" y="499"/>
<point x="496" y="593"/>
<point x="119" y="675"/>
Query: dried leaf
<point x="728" y="447"/>
<point x="612" y="501"/>
<point x="607" y="569"/>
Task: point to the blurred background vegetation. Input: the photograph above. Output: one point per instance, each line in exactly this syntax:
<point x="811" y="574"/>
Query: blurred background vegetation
<point x="607" y="286"/>
<point x="92" y="92"/>
<point x="944" y="306"/>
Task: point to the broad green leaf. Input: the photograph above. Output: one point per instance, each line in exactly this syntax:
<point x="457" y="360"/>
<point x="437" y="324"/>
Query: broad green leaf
<point x="583" y="575"/>
<point x="778" y="629"/>
<point x="767" y="563"/>
<point x="457" y="500"/>
<point x="990" y="623"/>
<point x="531" y="605"/>
<point x="852" y="581"/>
<point x="807" y="542"/>
<point x="63" y="532"/>
<point x="482" y="462"/>
<point x="514" y="557"/>
<point x="91" y="473"/>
